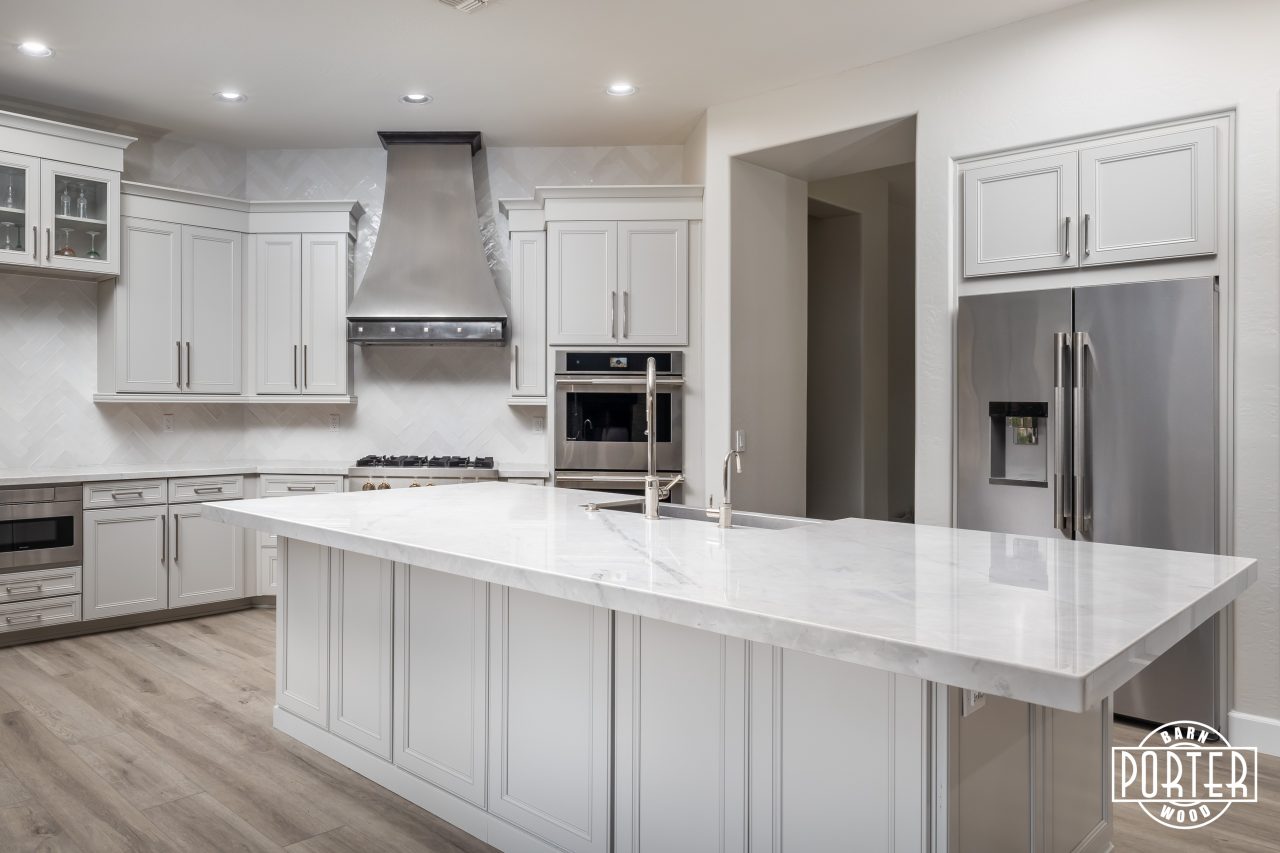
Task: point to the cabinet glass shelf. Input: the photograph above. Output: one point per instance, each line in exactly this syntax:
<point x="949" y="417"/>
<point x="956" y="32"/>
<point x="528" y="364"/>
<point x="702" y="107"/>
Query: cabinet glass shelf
<point x="83" y="220"/>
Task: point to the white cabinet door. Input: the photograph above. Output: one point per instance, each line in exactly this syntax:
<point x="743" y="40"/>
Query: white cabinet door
<point x="549" y="718"/>
<point x="80" y="212"/>
<point x="1017" y="216"/>
<point x="206" y="558"/>
<point x="124" y="561"/>
<point x="19" y="210"/>
<point x="442" y="624"/>
<point x="278" y="283"/>
<point x="212" y="263"/>
<point x="268" y="565"/>
<point x="1150" y="198"/>
<point x="325" y="294"/>
<point x="360" y="651"/>
<point x="302" y="631"/>
<point x="529" y="314"/>
<point x="653" y="283"/>
<point x="149" y="308"/>
<point x="679" y="738"/>
<point x="582" y="277"/>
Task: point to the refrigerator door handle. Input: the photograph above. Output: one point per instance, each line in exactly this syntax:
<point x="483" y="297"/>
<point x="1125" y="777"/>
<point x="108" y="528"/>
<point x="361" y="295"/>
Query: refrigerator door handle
<point x="1079" y="432"/>
<point x="1061" y="370"/>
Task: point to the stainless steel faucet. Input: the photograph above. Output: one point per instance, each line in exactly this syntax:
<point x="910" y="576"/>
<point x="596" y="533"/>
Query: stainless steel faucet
<point x="654" y="489"/>
<point x="725" y="513"/>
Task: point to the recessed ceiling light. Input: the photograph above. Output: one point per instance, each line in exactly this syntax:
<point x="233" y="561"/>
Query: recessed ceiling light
<point x="416" y="98"/>
<point x="621" y="90"/>
<point x="231" y="96"/>
<point x="35" y="48"/>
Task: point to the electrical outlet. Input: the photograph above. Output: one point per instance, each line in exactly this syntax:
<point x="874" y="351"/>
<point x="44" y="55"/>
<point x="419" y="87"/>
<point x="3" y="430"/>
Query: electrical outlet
<point x="974" y="700"/>
<point x="540" y="425"/>
<point x="168" y="423"/>
<point x="334" y="421"/>
<point x="740" y="440"/>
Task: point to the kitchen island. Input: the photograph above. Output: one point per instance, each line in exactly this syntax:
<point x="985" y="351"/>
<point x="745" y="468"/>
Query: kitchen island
<point x="549" y="678"/>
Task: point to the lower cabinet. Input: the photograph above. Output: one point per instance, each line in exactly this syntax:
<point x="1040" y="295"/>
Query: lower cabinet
<point x="360" y="650"/>
<point x="302" y="631"/>
<point x="124" y="561"/>
<point x="441" y="654"/>
<point x="206" y="558"/>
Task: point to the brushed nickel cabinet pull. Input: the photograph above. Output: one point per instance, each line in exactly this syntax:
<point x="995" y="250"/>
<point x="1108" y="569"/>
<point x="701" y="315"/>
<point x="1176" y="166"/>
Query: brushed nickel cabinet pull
<point x="35" y="242"/>
<point x="626" y="313"/>
<point x="301" y="488"/>
<point x="188" y="365"/>
<point x="177" y="528"/>
<point x="22" y="590"/>
<point x="48" y="243"/>
<point x="116" y="496"/>
<point x="1066" y="239"/>
<point x="1084" y="250"/>
<point x="295" y="365"/>
<point x="304" y="367"/>
<point x="208" y="490"/>
<point x="178" y="345"/>
<point x="23" y="620"/>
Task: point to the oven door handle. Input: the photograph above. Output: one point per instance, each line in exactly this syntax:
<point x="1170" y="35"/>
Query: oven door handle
<point x="638" y="383"/>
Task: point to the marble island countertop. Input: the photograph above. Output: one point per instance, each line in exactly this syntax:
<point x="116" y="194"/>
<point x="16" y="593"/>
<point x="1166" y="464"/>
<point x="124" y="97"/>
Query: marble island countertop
<point x="1052" y="622"/>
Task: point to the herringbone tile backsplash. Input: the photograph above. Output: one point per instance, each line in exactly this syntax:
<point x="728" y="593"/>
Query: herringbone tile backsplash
<point x="436" y="400"/>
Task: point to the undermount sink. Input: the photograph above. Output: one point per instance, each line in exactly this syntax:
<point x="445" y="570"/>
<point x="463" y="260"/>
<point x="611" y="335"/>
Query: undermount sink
<point x="760" y="520"/>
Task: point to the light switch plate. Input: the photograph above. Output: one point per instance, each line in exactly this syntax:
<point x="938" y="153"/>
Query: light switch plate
<point x="974" y="700"/>
<point x="740" y="440"/>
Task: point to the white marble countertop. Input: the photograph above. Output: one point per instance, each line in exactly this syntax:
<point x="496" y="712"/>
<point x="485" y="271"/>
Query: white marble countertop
<point x="1053" y="622"/>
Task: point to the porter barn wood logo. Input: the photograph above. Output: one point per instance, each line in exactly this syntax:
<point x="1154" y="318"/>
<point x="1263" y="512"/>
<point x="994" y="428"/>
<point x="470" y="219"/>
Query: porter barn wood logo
<point x="1184" y="775"/>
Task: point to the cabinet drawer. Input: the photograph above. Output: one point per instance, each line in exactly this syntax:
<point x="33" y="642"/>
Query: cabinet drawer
<point x="125" y="493"/>
<point x="38" y="614"/>
<point x="192" y="489"/>
<point x="42" y="583"/>
<point x="281" y="485"/>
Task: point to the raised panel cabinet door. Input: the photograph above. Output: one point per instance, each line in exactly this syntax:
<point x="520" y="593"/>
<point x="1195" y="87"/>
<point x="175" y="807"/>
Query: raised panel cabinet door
<point x="360" y="651"/>
<point x="149" y="313"/>
<point x="206" y="558"/>
<point x="441" y="653"/>
<point x="302" y="631"/>
<point x="680" y="727"/>
<point x="1018" y="216"/>
<point x="79" y="212"/>
<point x="582" y="282"/>
<point x="325" y="294"/>
<point x="125" y="570"/>
<point x="653" y="283"/>
<point x="529" y="314"/>
<point x="19" y="210"/>
<point x="278" y="285"/>
<point x="1149" y="198"/>
<point x="212" y="288"/>
<point x="549" y="766"/>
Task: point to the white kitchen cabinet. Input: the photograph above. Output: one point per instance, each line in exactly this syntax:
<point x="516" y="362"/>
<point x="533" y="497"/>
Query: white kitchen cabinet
<point x="360" y="651"/>
<point x="206" y="558"/>
<point x="19" y="210"/>
<point x="529" y="314"/>
<point x="1018" y="216"/>
<point x="441" y="654"/>
<point x="284" y="485"/>
<point x="125" y="570"/>
<point x="148" y="309"/>
<point x="549" y="766"/>
<point x="302" y="614"/>
<point x="1149" y="198"/>
<point x="303" y="284"/>
<point x="212" y="288"/>
<point x="582" y="281"/>
<point x="80" y="216"/>
<point x="680" y="727"/>
<point x="653" y="283"/>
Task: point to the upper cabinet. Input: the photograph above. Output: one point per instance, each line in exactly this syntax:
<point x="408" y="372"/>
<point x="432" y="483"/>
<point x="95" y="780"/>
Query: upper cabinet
<point x="653" y="282"/>
<point x="582" y="274"/>
<point x="60" y="197"/>
<point x="1144" y="196"/>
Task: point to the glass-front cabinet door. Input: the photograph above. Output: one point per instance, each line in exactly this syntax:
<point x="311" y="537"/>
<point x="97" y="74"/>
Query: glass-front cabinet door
<point x="79" y="218"/>
<point x="19" y="209"/>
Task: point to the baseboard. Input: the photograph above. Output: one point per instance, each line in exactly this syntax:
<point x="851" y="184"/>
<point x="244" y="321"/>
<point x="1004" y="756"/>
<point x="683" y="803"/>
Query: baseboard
<point x="116" y="623"/>
<point x="466" y="816"/>
<point x="1253" y="730"/>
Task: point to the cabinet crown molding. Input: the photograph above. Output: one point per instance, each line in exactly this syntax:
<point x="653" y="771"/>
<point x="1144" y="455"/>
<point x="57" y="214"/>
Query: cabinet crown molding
<point x="149" y="201"/>
<point x="48" y="127"/>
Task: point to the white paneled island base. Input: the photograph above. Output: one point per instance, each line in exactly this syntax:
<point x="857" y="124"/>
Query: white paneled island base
<point x="479" y="679"/>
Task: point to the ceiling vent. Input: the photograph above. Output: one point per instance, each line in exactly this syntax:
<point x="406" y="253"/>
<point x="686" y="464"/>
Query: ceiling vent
<point x="466" y="5"/>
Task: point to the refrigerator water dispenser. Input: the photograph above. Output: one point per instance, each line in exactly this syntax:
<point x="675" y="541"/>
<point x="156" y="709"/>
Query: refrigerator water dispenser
<point x="1019" y="450"/>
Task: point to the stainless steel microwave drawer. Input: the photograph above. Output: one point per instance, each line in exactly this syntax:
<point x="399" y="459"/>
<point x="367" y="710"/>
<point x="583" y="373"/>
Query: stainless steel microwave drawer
<point x="194" y="489"/>
<point x="125" y="493"/>
<point x="39" y="583"/>
<point x="38" y="614"/>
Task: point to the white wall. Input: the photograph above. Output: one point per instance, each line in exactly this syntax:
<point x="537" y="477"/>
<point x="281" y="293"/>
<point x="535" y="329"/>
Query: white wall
<point x="1095" y="67"/>
<point x="770" y="339"/>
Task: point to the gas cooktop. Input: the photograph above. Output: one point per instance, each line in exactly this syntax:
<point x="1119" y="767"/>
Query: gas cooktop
<point x="475" y="463"/>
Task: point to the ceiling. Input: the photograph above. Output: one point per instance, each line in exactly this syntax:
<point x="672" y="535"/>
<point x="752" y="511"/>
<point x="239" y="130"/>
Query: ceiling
<point x="323" y="73"/>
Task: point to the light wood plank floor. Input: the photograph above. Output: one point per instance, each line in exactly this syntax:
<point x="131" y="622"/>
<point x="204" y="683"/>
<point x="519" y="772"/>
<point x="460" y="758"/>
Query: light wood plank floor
<point x="160" y="739"/>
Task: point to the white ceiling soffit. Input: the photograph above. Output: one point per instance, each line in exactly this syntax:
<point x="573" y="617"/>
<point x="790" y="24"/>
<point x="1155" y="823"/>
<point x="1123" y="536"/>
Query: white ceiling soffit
<point x="873" y="146"/>
<point x="329" y="73"/>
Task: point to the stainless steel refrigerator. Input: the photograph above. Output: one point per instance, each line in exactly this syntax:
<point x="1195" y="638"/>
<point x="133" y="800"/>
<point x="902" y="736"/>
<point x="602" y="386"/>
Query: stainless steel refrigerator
<point x="1092" y="413"/>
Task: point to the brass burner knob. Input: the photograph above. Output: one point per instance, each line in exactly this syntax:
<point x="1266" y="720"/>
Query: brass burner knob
<point x="367" y="487"/>
<point x="384" y="485"/>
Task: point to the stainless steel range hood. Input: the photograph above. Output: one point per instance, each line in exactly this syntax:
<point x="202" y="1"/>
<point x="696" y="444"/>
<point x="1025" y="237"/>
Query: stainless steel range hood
<point x="428" y="281"/>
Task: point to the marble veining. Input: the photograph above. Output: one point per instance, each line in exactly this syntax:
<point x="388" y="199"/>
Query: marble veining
<point x="1053" y="622"/>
